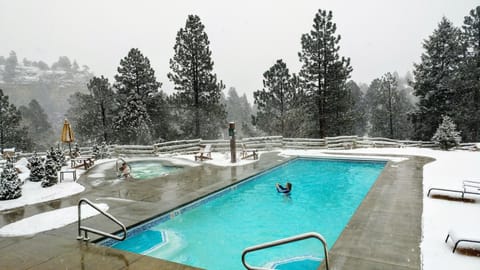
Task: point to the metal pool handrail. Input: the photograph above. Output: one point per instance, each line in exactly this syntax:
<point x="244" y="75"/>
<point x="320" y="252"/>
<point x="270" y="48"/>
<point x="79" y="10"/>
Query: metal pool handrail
<point x="92" y="230"/>
<point x="285" y="241"/>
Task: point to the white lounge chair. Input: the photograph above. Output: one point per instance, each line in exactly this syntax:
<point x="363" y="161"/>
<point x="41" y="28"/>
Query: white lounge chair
<point x="245" y="152"/>
<point x="205" y="153"/>
<point x="468" y="187"/>
<point x="464" y="235"/>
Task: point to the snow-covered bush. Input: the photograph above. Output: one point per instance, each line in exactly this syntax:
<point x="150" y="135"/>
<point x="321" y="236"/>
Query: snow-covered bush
<point x="51" y="177"/>
<point x="447" y="135"/>
<point x="10" y="184"/>
<point x="104" y="152"/>
<point x="37" y="168"/>
<point x="76" y="151"/>
<point x="95" y="151"/>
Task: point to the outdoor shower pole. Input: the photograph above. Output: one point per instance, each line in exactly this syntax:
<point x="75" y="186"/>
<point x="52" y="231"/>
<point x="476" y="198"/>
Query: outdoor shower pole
<point x="233" y="147"/>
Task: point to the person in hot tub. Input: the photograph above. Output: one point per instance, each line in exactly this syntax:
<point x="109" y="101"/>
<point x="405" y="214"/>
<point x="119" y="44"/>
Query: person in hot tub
<point x="125" y="169"/>
<point x="282" y="189"/>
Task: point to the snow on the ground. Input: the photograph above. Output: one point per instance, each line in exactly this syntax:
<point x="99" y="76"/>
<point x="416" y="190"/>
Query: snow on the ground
<point x="439" y="216"/>
<point x="43" y="222"/>
<point x="33" y="193"/>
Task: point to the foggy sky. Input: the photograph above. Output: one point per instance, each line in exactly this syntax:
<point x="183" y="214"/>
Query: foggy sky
<point x="246" y="37"/>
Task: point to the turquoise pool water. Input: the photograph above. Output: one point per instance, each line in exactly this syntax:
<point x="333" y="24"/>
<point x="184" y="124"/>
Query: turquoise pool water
<point x="212" y="233"/>
<point x="150" y="169"/>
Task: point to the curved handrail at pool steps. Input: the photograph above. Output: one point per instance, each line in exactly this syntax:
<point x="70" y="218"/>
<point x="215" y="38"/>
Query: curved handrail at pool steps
<point x="92" y="230"/>
<point x="279" y="242"/>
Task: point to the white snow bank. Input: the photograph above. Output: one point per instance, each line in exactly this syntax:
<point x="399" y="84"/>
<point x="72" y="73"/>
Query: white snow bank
<point x="49" y="220"/>
<point x="33" y="193"/>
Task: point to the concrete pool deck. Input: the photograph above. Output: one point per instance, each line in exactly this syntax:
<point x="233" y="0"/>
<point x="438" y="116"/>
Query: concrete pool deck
<point x="384" y="233"/>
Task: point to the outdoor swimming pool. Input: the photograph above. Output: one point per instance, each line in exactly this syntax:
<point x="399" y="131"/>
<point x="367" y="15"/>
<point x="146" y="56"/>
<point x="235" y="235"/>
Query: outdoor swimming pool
<point x="211" y="233"/>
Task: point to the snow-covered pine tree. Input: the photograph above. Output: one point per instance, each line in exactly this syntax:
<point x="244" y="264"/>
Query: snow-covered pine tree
<point x="446" y="135"/>
<point x="388" y="107"/>
<point x="76" y="150"/>
<point x="95" y="151"/>
<point x="37" y="168"/>
<point x="468" y="113"/>
<point x="11" y="132"/>
<point x="103" y="97"/>
<point x="10" y="184"/>
<point x="276" y="101"/>
<point x="133" y="123"/>
<point x="323" y="77"/>
<point x="51" y="177"/>
<point x="197" y="97"/>
<point x="436" y="78"/>
<point x="137" y="86"/>
<point x="60" y="158"/>
<point x="104" y="152"/>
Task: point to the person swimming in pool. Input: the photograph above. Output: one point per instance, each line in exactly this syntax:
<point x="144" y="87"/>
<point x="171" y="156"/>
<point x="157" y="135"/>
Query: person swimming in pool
<point x="282" y="189"/>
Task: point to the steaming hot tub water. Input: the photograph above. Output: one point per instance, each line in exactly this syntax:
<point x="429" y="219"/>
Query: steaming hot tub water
<point x="212" y="232"/>
<point x="150" y="169"/>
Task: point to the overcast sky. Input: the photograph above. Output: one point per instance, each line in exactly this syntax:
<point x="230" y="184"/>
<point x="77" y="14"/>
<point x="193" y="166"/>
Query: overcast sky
<point x="246" y="37"/>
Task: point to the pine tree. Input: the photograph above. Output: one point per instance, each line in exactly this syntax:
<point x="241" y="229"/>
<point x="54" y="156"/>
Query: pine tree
<point x="198" y="91"/>
<point x="10" y="184"/>
<point x="276" y="101"/>
<point x="35" y="120"/>
<point x="135" y="76"/>
<point x="358" y="110"/>
<point x="136" y="83"/>
<point x="104" y="152"/>
<point x="323" y="77"/>
<point x="95" y="151"/>
<point x="103" y="97"/>
<point x="447" y="135"/>
<point x="435" y="82"/>
<point x="468" y="113"/>
<point x="11" y="133"/>
<point x="37" y="169"/>
<point x="60" y="158"/>
<point x="133" y="123"/>
<point x="388" y="107"/>
<point x="51" y="177"/>
<point x="10" y="67"/>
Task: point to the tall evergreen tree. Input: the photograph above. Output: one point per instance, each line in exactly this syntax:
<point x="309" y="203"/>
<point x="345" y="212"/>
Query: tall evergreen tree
<point x="136" y="84"/>
<point x="135" y="76"/>
<point x="103" y="97"/>
<point x="239" y="111"/>
<point x="388" y="107"/>
<point x="133" y="123"/>
<point x="198" y="91"/>
<point x="35" y="120"/>
<point x="83" y="116"/>
<point x="276" y="101"/>
<point x="10" y="67"/>
<point x="11" y="133"/>
<point x="323" y="77"/>
<point x="358" y="124"/>
<point x="435" y="83"/>
<point x="468" y="114"/>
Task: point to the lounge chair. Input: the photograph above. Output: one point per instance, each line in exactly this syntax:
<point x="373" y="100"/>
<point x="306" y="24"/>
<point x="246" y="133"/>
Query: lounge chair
<point x="205" y="153"/>
<point x="468" y="187"/>
<point x="245" y="153"/>
<point x="469" y="235"/>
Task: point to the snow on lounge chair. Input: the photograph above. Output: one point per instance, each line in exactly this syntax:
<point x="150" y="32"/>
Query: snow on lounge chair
<point x="205" y="153"/>
<point x="466" y="235"/>
<point x="244" y="154"/>
<point x="468" y="187"/>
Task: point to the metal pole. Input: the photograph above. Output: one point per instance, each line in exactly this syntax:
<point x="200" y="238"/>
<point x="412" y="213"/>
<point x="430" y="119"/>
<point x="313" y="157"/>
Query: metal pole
<point x="233" y="147"/>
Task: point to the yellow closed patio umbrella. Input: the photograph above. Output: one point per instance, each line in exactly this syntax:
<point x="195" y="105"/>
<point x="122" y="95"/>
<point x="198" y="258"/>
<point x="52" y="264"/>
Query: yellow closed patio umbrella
<point x="67" y="135"/>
